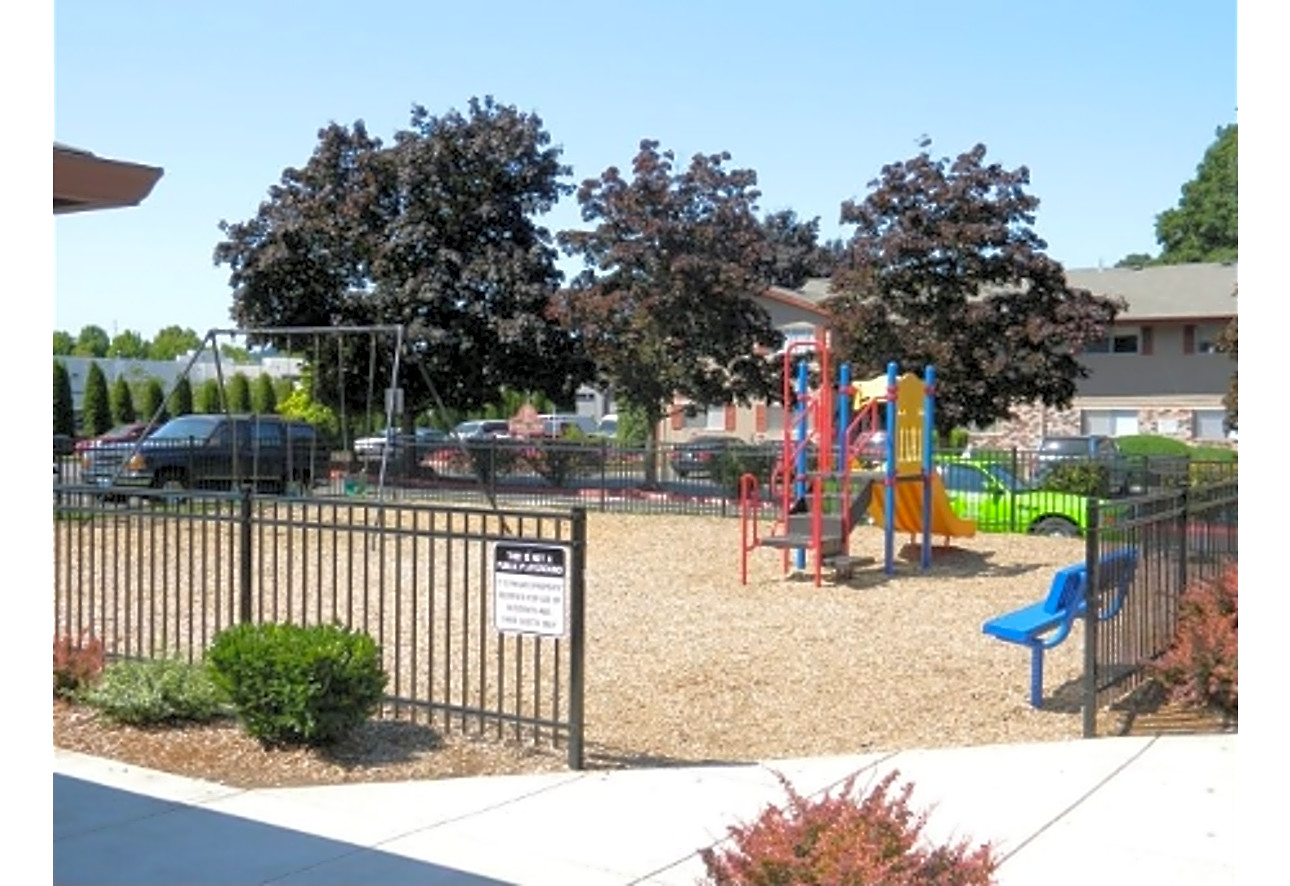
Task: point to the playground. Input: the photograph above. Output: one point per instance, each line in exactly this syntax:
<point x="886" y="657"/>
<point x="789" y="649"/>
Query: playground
<point x="686" y="663"/>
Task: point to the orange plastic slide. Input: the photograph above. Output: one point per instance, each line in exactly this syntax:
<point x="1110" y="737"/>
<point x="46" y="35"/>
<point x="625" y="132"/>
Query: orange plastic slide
<point x="909" y="509"/>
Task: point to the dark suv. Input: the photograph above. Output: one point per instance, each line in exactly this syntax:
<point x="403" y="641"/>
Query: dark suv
<point x="214" y="452"/>
<point x="1088" y="448"/>
<point x="694" y="457"/>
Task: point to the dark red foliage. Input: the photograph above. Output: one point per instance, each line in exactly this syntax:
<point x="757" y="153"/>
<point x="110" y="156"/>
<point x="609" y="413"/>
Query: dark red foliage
<point x="1199" y="669"/>
<point x="845" y="840"/>
<point x="77" y="663"/>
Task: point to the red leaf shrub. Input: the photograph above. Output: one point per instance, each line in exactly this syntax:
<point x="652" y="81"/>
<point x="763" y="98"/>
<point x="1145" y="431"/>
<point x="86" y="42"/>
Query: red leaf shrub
<point x="844" y="840"/>
<point x="1199" y="668"/>
<point x="77" y="664"/>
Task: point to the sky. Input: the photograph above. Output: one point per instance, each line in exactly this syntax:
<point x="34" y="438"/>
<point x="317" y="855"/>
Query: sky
<point x="1110" y="105"/>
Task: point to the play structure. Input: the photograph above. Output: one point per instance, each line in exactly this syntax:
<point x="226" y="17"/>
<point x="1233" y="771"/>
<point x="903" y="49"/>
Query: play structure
<point x="850" y="451"/>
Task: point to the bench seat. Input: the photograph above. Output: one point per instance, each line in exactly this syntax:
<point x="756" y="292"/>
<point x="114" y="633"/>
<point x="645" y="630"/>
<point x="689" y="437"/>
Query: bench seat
<point x="1024" y="625"/>
<point x="1047" y="623"/>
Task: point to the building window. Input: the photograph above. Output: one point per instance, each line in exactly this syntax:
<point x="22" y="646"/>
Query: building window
<point x="1209" y="424"/>
<point x="797" y="332"/>
<point x="1109" y="422"/>
<point x="1120" y="342"/>
<point x="715" y="419"/>
<point x="1207" y="338"/>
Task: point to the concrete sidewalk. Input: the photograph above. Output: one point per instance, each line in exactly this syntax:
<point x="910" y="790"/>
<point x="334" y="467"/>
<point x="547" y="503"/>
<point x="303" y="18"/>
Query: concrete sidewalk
<point x="1106" y="811"/>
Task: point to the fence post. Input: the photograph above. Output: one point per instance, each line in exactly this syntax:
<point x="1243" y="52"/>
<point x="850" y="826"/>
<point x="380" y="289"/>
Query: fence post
<point x="1092" y="543"/>
<point x="1012" y="493"/>
<point x="244" y="555"/>
<point x="1184" y="543"/>
<point x="577" y="637"/>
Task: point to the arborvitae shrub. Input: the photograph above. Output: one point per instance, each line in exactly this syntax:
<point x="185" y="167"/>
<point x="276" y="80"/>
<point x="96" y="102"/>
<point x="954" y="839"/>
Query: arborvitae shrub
<point x="77" y="664"/>
<point x="298" y="685"/>
<point x="1199" y="668"/>
<point x="96" y="409"/>
<point x="157" y="692"/>
<point x="64" y="412"/>
<point x="122" y="401"/>
<point x="845" y="840"/>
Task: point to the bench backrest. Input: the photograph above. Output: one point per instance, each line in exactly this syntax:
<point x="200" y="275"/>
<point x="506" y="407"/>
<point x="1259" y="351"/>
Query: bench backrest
<point x="1114" y="570"/>
<point x="1067" y="589"/>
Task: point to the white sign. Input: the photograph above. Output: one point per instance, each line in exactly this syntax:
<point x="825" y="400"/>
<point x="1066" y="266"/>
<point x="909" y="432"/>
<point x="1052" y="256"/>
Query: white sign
<point x="529" y="588"/>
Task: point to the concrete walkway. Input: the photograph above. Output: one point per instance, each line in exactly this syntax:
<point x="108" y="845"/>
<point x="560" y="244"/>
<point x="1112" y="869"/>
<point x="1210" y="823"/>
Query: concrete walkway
<point x="1103" y="811"/>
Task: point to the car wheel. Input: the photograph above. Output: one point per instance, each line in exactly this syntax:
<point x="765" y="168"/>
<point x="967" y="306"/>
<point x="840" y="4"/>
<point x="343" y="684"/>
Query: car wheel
<point x="1055" y="527"/>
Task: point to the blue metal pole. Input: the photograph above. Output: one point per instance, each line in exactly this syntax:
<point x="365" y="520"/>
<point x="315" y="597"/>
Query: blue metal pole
<point x="889" y="506"/>
<point x="929" y="435"/>
<point x="844" y="417"/>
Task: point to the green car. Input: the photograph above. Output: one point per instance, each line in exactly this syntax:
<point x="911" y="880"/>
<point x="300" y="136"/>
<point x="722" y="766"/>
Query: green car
<point x="999" y="502"/>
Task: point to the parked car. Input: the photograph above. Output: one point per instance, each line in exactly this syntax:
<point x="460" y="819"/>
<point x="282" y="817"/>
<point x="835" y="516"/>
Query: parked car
<point x="481" y="429"/>
<point x="607" y="426"/>
<point x="694" y="457"/>
<point x="126" y="433"/>
<point x="566" y="424"/>
<point x="213" y="452"/>
<point x="991" y="495"/>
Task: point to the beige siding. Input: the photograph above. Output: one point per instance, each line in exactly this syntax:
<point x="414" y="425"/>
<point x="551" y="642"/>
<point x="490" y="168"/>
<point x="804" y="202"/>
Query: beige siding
<point x="1167" y="371"/>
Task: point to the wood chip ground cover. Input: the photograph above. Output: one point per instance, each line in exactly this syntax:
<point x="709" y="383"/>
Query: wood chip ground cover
<point x="685" y="665"/>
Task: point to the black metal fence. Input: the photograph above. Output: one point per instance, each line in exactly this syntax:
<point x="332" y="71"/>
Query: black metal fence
<point x="604" y="475"/>
<point x="1180" y="536"/>
<point x="470" y="642"/>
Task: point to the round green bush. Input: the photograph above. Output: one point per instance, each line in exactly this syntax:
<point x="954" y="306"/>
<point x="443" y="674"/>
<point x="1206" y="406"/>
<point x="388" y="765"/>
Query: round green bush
<point x="298" y="685"/>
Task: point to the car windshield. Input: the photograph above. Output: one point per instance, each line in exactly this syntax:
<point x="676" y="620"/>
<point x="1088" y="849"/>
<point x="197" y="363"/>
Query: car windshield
<point x="187" y="427"/>
<point x="1010" y="481"/>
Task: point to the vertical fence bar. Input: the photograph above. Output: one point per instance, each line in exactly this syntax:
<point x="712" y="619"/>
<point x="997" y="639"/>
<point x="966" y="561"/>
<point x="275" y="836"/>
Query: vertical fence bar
<point x="577" y="638"/>
<point x="245" y="531"/>
<point x="1092" y="553"/>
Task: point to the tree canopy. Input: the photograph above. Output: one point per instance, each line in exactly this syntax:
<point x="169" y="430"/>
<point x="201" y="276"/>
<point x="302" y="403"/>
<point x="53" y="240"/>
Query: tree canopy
<point x="666" y="302"/>
<point x="435" y="231"/>
<point x="945" y="268"/>
<point x="1202" y="227"/>
<point x="794" y="252"/>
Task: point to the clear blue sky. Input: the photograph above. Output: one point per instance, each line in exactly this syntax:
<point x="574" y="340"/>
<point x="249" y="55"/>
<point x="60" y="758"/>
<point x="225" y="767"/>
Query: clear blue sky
<point x="1109" y="104"/>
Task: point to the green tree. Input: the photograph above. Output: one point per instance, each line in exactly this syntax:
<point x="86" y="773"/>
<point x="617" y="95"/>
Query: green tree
<point x="122" y="401"/>
<point x="1203" y="226"/>
<point x="207" y="399"/>
<point x="128" y="345"/>
<point x="300" y="405"/>
<point x="151" y="399"/>
<point x="64" y="411"/>
<point x="92" y="342"/>
<point x="282" y="388"/>
<point x="264" y="399"/>
<point x="180" y="401"/>
<point x="96" y="407"/>
<point x="173" y="342"/>
<point x="1135" y="260"/>
<point x="239" y="393"/>
<point x="947" y="270"/>
<point x="64" y="344"/>
<point x="435" y="231"/>
<point x="667" y="303"/>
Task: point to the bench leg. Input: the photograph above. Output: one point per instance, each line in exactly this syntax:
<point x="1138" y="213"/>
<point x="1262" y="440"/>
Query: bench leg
<point x="1036" y="675"/>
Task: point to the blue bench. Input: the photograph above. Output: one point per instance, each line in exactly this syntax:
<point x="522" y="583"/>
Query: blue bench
<point x="1044" y="624"/>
